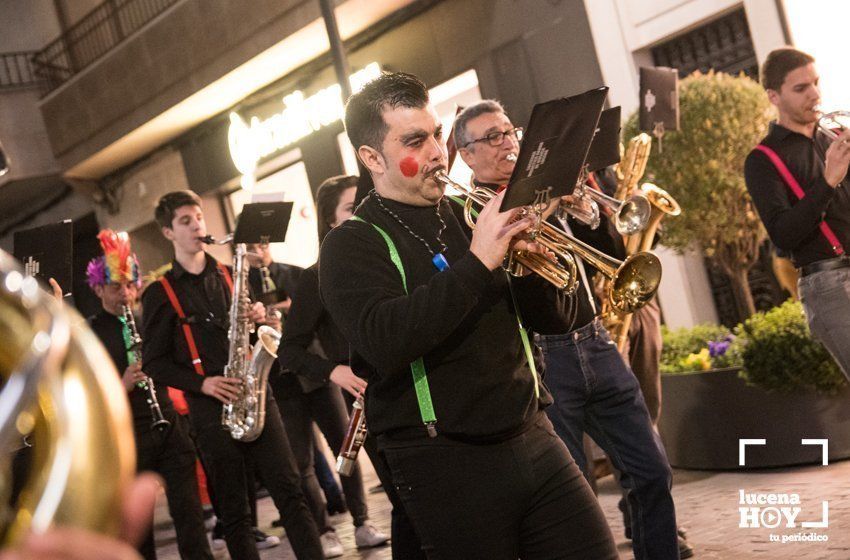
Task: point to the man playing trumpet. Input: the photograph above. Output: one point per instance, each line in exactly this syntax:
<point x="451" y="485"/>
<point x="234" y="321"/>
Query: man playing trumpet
<point x="799" y="188"/>
<point x="455" y="407"/>
<point x="594" y="390"/>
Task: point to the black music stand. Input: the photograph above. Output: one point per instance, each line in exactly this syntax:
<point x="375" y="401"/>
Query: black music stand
<point x="263" y="222"/>
<point x="554" y="148"/>
<point x="48" y="252"/>
<point x="659" y="101"/>
<point x="605" y="147"/>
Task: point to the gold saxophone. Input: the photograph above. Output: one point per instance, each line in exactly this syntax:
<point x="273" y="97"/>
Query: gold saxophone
<point x="246" y="416"/>
<point x="60" y="389"/>
<point x="629" y="172"/>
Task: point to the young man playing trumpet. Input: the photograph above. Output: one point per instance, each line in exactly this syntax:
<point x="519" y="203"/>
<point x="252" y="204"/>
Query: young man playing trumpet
<point x="451" y="399"/>
<point x="594" y="390"/>
<point x="797" y="178"/>
<point x="185" y="346"/>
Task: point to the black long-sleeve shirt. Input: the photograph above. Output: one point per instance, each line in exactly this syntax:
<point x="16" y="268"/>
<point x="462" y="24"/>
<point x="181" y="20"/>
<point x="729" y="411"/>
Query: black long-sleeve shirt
<point x="792" y="224"/>
<point x="110" y="330"/>
<point x="308" y="320"/>
<point x="461" y="321"/>
<point x="205" y="299"/>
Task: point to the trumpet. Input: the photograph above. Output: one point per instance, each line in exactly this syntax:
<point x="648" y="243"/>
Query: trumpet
<point x="563" y="274"/>
<point x="633" y="282"/>
<point x="833" y="124"/>
<point x="630" y="216"/>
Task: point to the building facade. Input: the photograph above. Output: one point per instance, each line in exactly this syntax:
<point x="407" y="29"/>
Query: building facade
<point x="140" y="97"/>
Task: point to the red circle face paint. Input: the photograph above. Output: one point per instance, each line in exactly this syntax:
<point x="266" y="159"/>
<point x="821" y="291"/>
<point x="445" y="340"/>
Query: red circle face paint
<point x="408" y="167"/>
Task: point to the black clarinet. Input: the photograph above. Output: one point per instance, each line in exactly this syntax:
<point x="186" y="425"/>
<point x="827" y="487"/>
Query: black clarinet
<point x="135" y="346"/>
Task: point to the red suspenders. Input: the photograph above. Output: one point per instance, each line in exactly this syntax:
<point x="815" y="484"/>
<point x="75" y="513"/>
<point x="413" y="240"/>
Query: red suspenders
<point x="798" y="192"/>
<point x="176" y="394"/>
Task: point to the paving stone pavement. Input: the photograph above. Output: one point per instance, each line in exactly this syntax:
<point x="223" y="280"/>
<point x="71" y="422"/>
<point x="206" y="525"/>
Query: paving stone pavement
<point x="706" y="502"/>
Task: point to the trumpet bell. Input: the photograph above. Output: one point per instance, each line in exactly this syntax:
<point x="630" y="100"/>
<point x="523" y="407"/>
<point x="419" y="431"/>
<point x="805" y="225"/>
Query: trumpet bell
<point x="635" y="282"/>
<point x="833" y="124"/>
<point x="633" y="215"/>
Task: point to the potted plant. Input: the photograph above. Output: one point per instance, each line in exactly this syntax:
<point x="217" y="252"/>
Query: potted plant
<point x="766" y="379"/>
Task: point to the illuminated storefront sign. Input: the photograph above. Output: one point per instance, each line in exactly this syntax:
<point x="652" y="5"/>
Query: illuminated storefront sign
<point x="253" y="140"/>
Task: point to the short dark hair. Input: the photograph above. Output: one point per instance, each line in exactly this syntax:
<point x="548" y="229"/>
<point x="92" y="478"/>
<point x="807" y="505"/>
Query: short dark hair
<point x="779" y="63"/>
<point x="461" y="134"/>
<point x="364" y="119"/>
<point x="327" y="199"/>
<point x="170" y="202"/>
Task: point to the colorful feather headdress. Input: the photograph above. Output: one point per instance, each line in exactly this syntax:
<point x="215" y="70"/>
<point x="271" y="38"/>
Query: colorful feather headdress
<point x="118" y="263"/>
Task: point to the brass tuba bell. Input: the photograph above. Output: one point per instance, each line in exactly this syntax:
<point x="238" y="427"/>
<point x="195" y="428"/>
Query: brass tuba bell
<point x="61" y="392"/>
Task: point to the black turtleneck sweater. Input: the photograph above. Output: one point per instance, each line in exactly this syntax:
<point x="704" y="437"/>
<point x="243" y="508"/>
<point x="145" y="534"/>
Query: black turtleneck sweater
<point x="109" y="329"/>
<point x="460" y="320"/>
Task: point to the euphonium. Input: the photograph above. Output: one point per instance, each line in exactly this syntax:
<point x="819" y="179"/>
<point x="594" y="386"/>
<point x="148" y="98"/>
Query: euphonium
<point x="61" y="389"/>
<point x="633" y="281"/>
<point x="246" y="416"/>
<point x="662" y="205"/>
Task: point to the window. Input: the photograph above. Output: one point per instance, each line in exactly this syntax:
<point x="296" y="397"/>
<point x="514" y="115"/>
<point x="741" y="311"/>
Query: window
<point x="289" y="184"/>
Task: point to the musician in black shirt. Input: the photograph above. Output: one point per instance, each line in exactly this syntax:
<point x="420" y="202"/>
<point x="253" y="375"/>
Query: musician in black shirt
<point x="166" y="449"/>
<point x="314" y="356"/>
<point x="797" y="179"/>
<point x="190" y="354"/>
<point x="594" y="389"/>
<point x="476" y="462"/>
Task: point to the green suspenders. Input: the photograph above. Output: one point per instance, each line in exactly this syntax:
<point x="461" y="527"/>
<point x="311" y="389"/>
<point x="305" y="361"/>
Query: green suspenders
<point x="417" y="367"/>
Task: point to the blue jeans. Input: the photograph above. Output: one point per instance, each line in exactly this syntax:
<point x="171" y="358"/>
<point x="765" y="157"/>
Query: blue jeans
<point x="826" y="300"/>
<point x="596" y="392"/>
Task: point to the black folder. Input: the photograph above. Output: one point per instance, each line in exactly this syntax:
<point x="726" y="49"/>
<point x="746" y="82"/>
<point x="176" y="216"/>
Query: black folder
<point x="554" y="148"/>
<point x="263" y="222"/>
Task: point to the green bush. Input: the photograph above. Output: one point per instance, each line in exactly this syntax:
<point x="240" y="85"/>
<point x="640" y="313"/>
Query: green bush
<point x="690" y="349"/>
<point x="781" y="355"/>
<point x="774" y="349"/>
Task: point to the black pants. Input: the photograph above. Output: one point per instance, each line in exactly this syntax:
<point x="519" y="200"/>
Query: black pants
<point x="326" y="407"/>
<point x="228" y="462"/>
<point x="521" y="498"/>
<point x="171" y="455"/>
<point x="405" y="542"/>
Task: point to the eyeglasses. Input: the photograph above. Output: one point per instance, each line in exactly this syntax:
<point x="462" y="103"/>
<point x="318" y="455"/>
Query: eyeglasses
<point x="495" y="139"/>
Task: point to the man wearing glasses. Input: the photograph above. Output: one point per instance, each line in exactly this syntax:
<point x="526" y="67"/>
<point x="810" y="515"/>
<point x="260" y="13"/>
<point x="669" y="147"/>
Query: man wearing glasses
<point x="594" y="390"/>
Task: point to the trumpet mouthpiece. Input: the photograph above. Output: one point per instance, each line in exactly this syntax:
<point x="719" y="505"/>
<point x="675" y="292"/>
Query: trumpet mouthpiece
<point x="511" y="158"/>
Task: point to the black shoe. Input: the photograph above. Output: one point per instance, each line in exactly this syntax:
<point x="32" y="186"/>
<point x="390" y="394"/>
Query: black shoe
<point x="685" y="550"/>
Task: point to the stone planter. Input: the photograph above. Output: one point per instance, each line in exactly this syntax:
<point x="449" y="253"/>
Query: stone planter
<point x="704" y="414"/>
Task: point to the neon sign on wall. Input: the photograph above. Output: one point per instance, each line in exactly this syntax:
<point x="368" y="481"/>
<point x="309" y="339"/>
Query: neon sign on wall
<point x="249" y="142"/>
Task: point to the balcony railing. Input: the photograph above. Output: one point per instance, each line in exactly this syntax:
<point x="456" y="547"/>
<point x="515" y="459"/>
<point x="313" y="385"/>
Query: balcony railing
<point x="100" y="31"/>
<point x="16" y="70"/>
